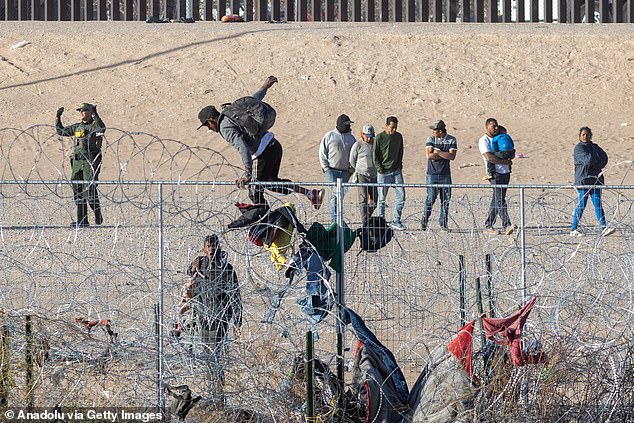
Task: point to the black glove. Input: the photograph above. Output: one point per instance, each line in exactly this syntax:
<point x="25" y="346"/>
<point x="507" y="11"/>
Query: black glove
<point x="59" y="112"/>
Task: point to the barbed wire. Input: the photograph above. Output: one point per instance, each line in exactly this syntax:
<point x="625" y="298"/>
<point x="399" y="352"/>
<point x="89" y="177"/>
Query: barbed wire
<point x="408" y="292"/>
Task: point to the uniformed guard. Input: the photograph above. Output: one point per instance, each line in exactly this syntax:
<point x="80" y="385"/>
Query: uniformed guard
<point x="85" y="160"/>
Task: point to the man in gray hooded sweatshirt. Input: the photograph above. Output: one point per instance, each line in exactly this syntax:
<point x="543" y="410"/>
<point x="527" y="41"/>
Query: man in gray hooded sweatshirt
<point x="334" y="157"/>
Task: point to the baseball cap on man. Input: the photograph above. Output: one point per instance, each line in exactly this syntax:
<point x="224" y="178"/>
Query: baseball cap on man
<point x="439" y="125"/>
<point x="206" y="113"/>
<point x="343" y="120"/>
<point x="85" y="106"/>
<point x="368" y="131"/>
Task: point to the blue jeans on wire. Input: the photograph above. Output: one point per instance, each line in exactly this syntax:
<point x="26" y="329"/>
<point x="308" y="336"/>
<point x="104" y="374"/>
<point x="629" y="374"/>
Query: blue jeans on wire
<point x="394" y="177"/>
<point x="331" y="176"/>
<point x="595" y="194"/>
<point x="433" y="193"/>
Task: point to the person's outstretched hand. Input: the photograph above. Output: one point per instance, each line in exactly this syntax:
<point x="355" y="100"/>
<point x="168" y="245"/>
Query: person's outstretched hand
<point x="269" y="82"/>
<point x="59" y="112"/>
<point x="243" y="181"/>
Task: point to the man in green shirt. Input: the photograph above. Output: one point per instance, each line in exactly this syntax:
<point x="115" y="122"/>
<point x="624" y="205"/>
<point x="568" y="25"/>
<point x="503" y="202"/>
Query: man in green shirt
<point x="387" y="155"/>
<point x="85" y="160"/>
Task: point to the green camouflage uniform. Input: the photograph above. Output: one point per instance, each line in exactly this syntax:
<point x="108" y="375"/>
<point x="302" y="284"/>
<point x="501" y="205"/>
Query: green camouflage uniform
<point x="85" y="159"/>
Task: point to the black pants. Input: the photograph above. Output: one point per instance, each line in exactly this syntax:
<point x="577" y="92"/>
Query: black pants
<point x="366" y="197"/>
<point x="498" y="201"/>
<point x="267" y="168"/>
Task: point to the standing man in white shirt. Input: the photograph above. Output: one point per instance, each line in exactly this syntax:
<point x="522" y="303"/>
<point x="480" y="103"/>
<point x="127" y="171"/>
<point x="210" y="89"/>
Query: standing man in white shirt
<point x="501" y="176"/>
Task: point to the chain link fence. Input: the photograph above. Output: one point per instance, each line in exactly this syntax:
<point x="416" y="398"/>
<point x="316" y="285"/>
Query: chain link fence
<point x="57" y="280"/>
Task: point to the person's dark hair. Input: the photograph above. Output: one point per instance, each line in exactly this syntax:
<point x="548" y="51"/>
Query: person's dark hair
<point x="391" y="119"/>
<point x="213" y="239"/>
<point x="502" y="130"/>
<point x="585" y="128"/>
<point x="490" y="120"/>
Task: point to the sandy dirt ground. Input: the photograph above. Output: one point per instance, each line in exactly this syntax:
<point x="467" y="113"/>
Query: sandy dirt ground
<point x="542" y="81"/>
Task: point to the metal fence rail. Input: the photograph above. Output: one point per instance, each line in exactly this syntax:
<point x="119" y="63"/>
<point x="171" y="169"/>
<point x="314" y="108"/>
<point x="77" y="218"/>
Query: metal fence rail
<point x="562" y="11"/>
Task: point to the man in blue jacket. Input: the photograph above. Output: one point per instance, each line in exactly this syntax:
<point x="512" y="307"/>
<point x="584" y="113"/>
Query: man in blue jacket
<point x="590" y="159"/>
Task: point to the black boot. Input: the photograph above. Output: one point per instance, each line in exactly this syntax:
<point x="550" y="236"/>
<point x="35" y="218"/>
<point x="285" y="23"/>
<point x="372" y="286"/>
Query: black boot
<point x="82" y="216"/>
<point x="98" y="216"/>
<point x="97" y="209"/>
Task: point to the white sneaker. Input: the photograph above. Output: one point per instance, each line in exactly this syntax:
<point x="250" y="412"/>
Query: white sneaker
<point x="607" y="231"/>
<point x="398" y="226"/>
<point x="575" y="233"/>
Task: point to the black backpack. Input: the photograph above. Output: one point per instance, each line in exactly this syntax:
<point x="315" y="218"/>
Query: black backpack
<point x="253" y="115"/>
<point x="250" y="214"/>
<point x="265" y="231"/>
<point x="375" y="234"/>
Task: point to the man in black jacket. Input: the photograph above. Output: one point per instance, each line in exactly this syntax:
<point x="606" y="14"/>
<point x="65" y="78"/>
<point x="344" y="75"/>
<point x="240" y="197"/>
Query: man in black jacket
<point x="212" y="293"/>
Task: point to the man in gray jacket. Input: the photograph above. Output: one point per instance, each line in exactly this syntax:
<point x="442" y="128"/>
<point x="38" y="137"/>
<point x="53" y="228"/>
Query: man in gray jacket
<point x="361" y="161"/>
<point x="334" y="157"/>
<point x="260" y="152"/>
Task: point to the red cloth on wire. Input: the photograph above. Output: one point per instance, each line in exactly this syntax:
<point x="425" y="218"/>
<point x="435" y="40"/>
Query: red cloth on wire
<point x="510" y="330"/>
<point x="91" y="324"/>
<point x="105" y="324"/>
<point x="462" y="346"/>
